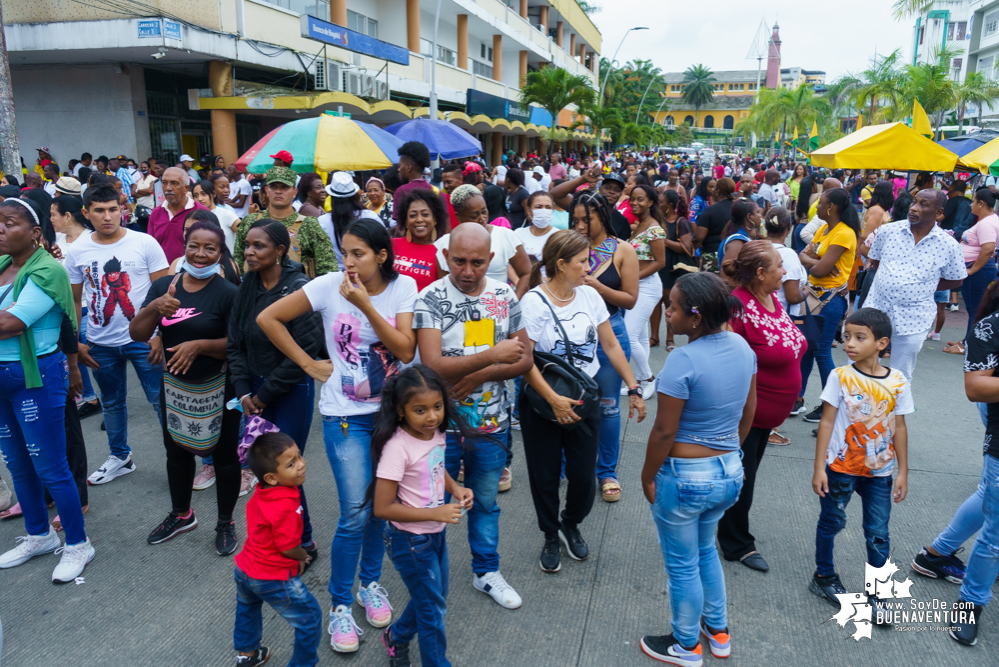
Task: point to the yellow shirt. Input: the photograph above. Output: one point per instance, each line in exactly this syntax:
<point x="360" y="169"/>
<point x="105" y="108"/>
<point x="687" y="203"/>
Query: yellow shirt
<point x="813" y="209"/>
<point x="843" y="236"/>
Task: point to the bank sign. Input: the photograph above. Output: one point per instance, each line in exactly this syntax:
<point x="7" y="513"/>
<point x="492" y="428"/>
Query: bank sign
<point x="335" y="35"/>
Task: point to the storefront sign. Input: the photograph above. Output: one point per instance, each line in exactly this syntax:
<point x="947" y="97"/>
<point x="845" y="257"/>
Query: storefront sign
<point x="478" y="102"/>
<point x="329" y="33"/>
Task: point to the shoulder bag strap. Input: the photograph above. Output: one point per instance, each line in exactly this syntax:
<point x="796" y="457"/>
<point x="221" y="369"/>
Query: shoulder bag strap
<point x="565" y="337"/>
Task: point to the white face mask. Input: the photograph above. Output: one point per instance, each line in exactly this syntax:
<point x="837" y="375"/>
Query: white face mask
<point x="541" y="217"/>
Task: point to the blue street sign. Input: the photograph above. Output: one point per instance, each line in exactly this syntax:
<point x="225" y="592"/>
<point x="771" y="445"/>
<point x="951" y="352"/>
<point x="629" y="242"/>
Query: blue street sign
<point x="329" y="33"/>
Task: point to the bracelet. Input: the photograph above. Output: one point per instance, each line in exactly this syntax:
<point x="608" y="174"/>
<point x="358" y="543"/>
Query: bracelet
<point x="635" y="391"/>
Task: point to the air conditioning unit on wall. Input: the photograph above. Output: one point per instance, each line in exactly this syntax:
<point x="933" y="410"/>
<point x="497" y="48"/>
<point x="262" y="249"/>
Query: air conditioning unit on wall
<point x="328" y="75"/>
<point x="365" y="85"/>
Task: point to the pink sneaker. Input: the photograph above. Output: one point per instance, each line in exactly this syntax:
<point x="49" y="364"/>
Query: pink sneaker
<point x="343" y="630"/>
<point x="377" y="609"/>
<point x="205" y="477"/>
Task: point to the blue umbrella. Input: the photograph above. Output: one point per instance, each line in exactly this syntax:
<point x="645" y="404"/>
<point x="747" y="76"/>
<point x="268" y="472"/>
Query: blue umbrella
<point x="441" y="137"/>
<point x="963" y="144"/>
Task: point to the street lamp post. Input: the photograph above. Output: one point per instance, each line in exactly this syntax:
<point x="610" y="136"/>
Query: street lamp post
<point x="639" y="113"/>
<point x="600" y="96"/>
<point x="433" y="72"/>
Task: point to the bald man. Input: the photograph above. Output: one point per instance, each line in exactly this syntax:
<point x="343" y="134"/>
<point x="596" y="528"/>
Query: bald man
<point x="166" y="222"/>
<point x="469" y="329"/>
<point x="914" y="259"/>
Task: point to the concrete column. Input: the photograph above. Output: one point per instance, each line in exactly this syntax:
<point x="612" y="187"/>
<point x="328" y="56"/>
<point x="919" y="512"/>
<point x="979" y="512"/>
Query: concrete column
<point x="523" y="9"/>
<point x="223" y="120"/>
<point x="522" y="145"/>
<point x="544" y="18"/>
<point x="558" y="33"/>
<point x="497" y="156"/>
<point x="338" y="12"/>
<point x="582" y="54"/>
<point x="413" y="25"/>
<point x="497" y="56"/>
<point x="593" y="61"/>
<point x="572" y="45"/>
<point x="463" y="41"/>
<point x="523" y="68"/>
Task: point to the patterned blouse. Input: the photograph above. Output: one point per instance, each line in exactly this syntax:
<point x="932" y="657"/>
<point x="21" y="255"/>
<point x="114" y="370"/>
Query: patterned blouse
<point x="642" y="242"/>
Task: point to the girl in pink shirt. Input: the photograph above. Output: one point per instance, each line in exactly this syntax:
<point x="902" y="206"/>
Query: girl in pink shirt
<point x="407" y="448"/>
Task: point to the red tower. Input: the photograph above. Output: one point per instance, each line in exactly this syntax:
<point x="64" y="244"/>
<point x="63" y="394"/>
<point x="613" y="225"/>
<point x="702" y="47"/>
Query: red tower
<point x="773" y="60"/>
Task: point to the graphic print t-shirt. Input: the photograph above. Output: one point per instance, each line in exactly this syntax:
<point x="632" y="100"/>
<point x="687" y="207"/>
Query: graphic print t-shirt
<point x="418" y="466"/>
<point x="115" y="280"/>
<point x="469" y="325"/>
<point x="861" y="442"/>
<point x="982" y="354"/>
<point x="580" y="319"/>
<point x="361" y="363"/>
<point x="202" y="315"/>
<point x="416" y="260"/>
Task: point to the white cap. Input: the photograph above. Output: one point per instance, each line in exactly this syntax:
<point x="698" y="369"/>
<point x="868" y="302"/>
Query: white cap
<point x="186" y="158"/>
<point x="539" y="170"/>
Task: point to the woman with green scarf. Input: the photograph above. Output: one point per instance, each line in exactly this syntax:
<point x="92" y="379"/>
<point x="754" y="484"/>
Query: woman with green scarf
<point x="34" y="381"/>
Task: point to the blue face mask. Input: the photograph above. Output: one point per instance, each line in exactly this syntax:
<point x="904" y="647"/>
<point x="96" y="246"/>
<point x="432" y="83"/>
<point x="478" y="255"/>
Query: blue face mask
<point x="199" y="273"/>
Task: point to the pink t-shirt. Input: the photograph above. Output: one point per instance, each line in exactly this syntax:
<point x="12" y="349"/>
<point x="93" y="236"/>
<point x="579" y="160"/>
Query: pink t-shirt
<point x="418" y="466"/>
<point x="984" y="231"/>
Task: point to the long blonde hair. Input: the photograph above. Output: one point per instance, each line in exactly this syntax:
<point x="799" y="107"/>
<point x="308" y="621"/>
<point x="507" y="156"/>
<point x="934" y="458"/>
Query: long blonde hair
<point x="564" y="244"/>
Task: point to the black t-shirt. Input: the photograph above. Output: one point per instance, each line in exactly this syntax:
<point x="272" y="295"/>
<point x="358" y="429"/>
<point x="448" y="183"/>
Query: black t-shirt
<point x="982" y="354"/>
<point x="954" y="211"/>
<point x="714" y="218"/>
<point x="620" y="227"/>
<point x="515" y="208"/>
<point x="202" y="315"/>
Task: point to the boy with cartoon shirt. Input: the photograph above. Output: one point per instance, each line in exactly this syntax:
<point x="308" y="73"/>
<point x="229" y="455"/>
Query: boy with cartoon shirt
<point x="862" y="440"/>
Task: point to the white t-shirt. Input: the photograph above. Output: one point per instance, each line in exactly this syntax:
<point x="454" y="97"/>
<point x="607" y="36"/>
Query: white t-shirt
<point x="531" y="184"/>
<point x="361" y="363"/>
<point x="504" y="246"/>
<point x="326" y="222"/>
<point x="144" y="183"/>
<point x="227" y="216"/>
<point x="795" y="271"/>
<point x="241" y="187"/>
<point x="49" y="189"/>
<point x="534" y="245"/>
<point x="115" y="280"/>
<point x="580" y="319"/>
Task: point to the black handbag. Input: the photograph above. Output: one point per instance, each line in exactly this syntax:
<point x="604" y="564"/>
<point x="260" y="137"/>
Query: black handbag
<point x="565" y="380"/>
<point x="811" y="325"/>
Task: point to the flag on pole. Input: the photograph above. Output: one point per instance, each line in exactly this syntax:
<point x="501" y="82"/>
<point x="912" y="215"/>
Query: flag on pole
<point x="920" y="121"/>
<point x="794" y="140"/>
<point x="860" y="120"/>
<point x="813" y="138"/>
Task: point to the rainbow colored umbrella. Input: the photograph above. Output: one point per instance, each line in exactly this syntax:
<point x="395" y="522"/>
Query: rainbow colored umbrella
<point x="327" y="143"/>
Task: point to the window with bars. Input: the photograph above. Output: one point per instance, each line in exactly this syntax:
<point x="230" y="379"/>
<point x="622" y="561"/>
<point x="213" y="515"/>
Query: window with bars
<point x="985" y="67"/>
<point x="950" y="31"/>
<point x="990" y="25"/>
<point x="486" y="52"/>
<point x="962" y="30"/>
<point x="482" y="69"/>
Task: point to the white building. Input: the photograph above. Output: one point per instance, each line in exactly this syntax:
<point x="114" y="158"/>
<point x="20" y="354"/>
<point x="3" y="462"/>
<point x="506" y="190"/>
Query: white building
<point x="206" y="77"/>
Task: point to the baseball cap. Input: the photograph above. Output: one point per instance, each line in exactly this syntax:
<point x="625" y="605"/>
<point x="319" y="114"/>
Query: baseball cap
<point x="284" y="156"/>
<point x="186" y="158"/>
<point x="614" y="176"/>
<point x="342" y="185"/>
<point x="281" y="175"/>
<point x="43" y="148"/>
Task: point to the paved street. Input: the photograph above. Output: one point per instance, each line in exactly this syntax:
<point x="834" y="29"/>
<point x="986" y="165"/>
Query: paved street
<point x="173" y="604"/>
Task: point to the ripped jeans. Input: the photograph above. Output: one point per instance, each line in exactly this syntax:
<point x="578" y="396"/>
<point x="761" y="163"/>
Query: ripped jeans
<point x="609" y="445"/>
<point x="875" y="492"/>
<point x="983" y="563"/>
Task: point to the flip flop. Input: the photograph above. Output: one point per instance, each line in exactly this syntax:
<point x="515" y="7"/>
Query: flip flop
<point x="610" y="490"/>
<point x="57" y="524"/>
<point x="670" y="346"/>
<point x="653" y="342"/>
<point x="13" y="512"/>
<point x="777" y="440"/>
<point x="956" y="348"/>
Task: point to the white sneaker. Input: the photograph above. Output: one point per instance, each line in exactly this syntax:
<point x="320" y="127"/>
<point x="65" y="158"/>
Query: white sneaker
<point x="112" y="468"/>
<point x="344" y="632"/>
<point x="5" y="495"/>
<point x="494" y="585"/>
<point x="30" y="546"/>
<point x="648" y="389"/>
<point x="74" y="558"/>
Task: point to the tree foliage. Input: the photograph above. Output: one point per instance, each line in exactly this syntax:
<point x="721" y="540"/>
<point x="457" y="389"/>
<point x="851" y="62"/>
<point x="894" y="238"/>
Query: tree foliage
<point x="697" y="88"/>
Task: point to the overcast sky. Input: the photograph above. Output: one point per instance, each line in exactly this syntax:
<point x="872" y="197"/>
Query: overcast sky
<point x="719" y="33"/>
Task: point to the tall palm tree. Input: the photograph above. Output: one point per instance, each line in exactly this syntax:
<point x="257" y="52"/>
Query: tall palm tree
<point x="553" y="89"/>
<point x="976" y="90"/>
<point x="601" y="118"/>
<point x="697" y="88"/>
<point x="879" y="88"/>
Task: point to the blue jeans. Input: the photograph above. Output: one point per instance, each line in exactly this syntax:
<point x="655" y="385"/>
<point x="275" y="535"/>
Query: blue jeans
<point x="292" y="600"/>
<point x="422" y="564"/>
<point x="348" y="447"/>
<point x="833" y="313"/>
<point x="111" y="378"/>
<point x="484" y="462"/>
<point x="691" y="496"/>
<point x="875" y="492"/>
<point x="609" y="444"/>
<point x="88" y="387"/>
<point x="292" y="414"/>
<point x="973" y="288"/>
<point x="983" y="563"/>
<point x="796" y="240"/>
<point x="33" y="443"/>
<point x="967" y="521"/>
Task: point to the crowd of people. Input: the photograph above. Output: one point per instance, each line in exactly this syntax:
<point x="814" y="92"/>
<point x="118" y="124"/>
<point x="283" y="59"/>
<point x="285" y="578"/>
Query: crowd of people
<point x="442" y="309"/>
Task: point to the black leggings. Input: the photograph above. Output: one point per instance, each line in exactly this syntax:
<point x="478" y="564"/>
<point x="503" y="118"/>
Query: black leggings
<point x="181" y="464"/>
<point x="76" y="453"/>
<point x="733" y="529"/>
<point x="545" y="443"/>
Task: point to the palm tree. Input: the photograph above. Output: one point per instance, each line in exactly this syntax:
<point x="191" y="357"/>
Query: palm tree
<point x="903" y="8"/>
<point x="697" y="88"/>
<point x="601" y="118"/>
<point x="553" y="89"/>
<point x="880" y="87"/>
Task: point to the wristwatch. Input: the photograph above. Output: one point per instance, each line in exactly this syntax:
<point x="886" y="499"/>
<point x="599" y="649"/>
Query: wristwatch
<point x="635" y="391"/>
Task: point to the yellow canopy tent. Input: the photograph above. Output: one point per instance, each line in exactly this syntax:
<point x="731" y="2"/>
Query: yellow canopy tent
<point x="984" y="159"/>
<point x="888" y="146"/>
